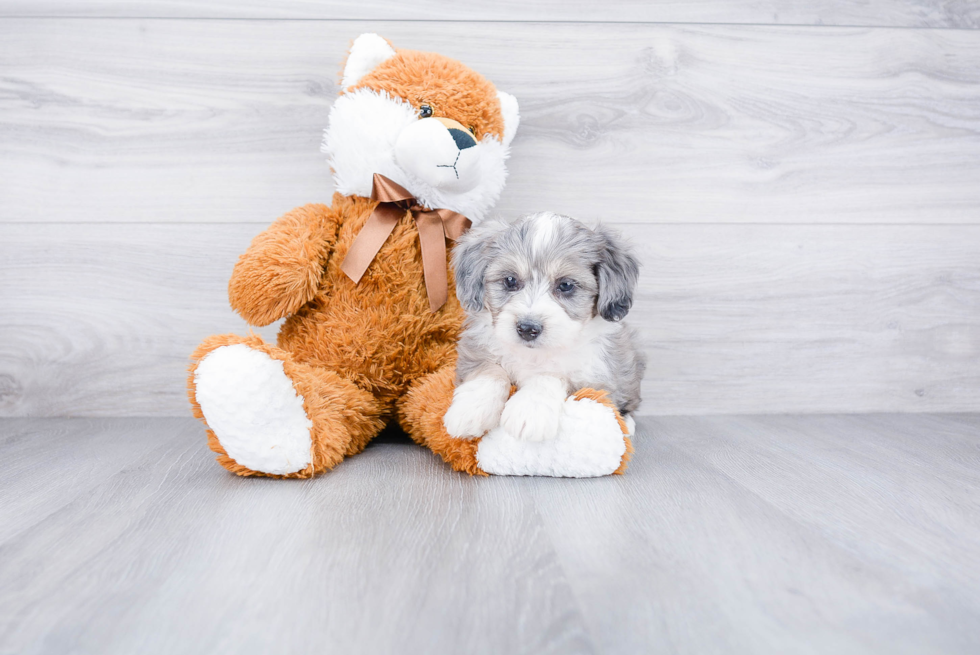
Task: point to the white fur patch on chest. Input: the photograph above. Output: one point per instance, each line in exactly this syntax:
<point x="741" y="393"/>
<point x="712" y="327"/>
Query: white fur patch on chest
<point x="580" y="364"/>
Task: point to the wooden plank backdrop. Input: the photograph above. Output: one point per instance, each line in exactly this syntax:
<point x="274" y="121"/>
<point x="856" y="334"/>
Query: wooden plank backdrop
<point x="203" y="120"/>
<point x="893" y="13"/>
<point x="100" y="318"/>
<point x="806" y="197"/>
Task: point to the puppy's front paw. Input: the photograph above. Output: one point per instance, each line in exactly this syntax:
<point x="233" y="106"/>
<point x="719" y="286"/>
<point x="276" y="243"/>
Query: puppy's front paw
<point x="476" y="407"/>
<point x="533" y="413"/>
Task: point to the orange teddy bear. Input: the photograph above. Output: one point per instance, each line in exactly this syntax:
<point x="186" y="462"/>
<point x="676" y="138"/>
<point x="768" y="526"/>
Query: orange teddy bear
<point x="417" y="144"/>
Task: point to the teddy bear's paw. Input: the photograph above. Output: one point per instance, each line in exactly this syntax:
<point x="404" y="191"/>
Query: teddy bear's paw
<point x="250" y="404"/>
<point x="534" y="412"/>
<point x="590" y="443"/>
<point x="476" y="408"/>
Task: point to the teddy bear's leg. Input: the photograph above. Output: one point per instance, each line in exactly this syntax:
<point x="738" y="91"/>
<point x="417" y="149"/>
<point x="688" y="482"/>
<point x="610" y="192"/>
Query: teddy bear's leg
<point x="268" y="415"/>
<point x="593" y="440"/>
<point x="420" y="413"/>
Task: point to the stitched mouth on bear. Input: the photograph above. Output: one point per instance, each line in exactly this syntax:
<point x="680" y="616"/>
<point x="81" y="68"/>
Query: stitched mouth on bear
<point x="452" y="165"/>
<point x="430" y="149"/>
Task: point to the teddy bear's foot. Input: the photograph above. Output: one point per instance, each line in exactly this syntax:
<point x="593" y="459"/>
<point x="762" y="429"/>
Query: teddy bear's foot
<point x="268" y="415"/>
<point x="593" y="440"/>
<point x="253" y="410"/>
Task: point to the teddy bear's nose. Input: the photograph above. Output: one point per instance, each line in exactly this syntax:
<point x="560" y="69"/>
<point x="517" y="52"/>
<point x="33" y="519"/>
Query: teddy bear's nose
<point x="463" y="139"/>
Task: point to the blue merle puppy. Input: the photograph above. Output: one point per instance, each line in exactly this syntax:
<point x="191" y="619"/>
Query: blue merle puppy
<point x="545" y="298"/>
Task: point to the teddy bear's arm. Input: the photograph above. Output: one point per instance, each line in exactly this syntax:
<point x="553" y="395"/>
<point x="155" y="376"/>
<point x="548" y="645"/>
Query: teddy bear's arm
<point x="280" y="272"/>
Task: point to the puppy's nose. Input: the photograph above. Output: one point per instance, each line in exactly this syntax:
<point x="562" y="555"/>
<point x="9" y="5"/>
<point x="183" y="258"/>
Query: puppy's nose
<point x="529" y="330"/>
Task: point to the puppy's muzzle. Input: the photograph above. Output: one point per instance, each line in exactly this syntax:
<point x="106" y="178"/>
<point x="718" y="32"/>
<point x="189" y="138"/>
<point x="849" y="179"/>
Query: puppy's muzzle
<point x="529" y="330"/>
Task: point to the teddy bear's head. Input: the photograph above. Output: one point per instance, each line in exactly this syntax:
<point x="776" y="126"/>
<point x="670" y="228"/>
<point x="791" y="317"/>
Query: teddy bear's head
<point x="434" y="126"/>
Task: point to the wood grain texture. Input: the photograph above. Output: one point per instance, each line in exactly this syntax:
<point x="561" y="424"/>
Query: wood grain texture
<point x="894" y="13"/>
<point x="37" y="482"/>
<point x="844" y="534"/>
<point x="99" y="319"/>
<point x="394" y="553"/>
<point x="781" y="534"/>
<point x="784" y="319"/>
<point x="220" y="120"/>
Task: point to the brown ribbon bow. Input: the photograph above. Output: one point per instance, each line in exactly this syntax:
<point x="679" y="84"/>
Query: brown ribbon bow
<point x="435" y="225"/>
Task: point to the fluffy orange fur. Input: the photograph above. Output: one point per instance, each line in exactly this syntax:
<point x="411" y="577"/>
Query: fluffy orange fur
<point x="361" y="355"/>
<point x="451" y="89"/>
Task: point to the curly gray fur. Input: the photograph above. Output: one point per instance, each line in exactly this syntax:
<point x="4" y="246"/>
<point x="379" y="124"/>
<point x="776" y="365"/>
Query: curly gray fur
<point x="553" y="272"/>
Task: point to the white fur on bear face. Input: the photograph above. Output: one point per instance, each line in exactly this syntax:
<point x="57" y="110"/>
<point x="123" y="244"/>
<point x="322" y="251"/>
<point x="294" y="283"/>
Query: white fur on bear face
<point x="360" y="139"/>
<point x="364" y="129"/>
<point x="371" y="132"/>
<point x="427" y="151"/>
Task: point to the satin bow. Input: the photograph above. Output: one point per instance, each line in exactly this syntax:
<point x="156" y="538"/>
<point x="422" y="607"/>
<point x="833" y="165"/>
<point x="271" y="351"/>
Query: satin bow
<point x="435" y="226"/>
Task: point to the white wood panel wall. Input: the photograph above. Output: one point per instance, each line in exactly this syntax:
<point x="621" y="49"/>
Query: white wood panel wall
<point x="875" y="13"/>
<point x="804" y="189"/>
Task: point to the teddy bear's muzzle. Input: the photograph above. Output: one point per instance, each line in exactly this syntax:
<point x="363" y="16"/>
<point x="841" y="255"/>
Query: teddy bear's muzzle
<point x="441" y="153"/>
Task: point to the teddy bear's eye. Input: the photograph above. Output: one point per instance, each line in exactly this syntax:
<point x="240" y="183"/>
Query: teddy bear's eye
<point x="425" y="111"/>
<point x="472" y="130"/>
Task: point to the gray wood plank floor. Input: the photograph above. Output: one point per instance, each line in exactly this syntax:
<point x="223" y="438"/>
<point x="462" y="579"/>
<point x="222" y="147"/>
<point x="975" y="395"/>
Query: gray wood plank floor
<point x="817" y="534"/>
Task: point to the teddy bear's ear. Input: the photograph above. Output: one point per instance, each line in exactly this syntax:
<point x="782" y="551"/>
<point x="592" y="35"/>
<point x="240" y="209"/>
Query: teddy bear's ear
<point x="367" y="51"/>
<point x="508" y="106"/>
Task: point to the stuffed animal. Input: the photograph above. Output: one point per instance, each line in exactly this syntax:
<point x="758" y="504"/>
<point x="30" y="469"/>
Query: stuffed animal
<point x="417" y="145"/>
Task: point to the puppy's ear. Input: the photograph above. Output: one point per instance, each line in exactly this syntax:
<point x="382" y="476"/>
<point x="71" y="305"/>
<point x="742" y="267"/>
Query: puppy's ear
<point x="617" y="272"/>
<point x="471" y="255"/>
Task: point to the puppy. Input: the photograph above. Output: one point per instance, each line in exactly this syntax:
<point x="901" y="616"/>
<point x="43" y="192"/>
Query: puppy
<point x="544" y="299"/>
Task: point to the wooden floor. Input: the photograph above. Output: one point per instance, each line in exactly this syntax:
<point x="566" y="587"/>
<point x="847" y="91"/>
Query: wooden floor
<point x="729" y="534"/>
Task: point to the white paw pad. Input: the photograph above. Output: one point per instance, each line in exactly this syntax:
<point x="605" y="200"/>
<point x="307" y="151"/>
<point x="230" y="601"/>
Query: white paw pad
<point x="589" y="443"/>
<point x="251" y="406"/>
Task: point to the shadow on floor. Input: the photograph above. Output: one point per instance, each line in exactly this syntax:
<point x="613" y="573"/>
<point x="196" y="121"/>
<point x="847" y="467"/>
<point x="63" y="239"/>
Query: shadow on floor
<point x="392" y="434"/>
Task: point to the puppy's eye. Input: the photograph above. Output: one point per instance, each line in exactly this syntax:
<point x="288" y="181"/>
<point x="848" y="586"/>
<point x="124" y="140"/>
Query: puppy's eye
<point x="511" y="282"/>
<point x="565" y="287"/>
<point x="425" y="110"/>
